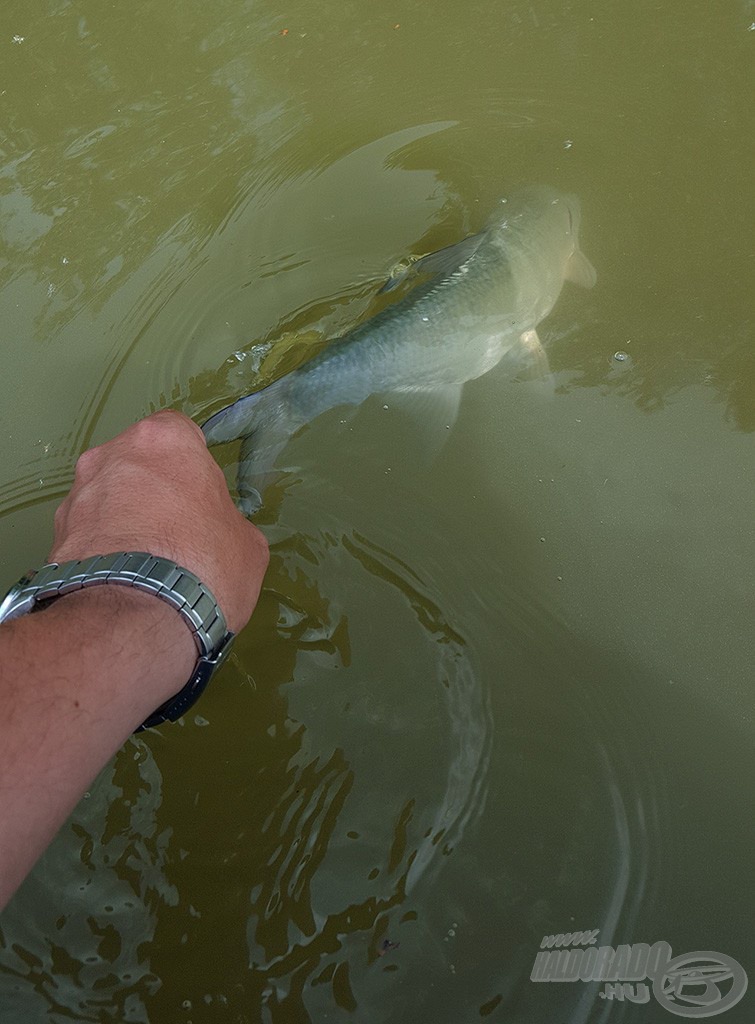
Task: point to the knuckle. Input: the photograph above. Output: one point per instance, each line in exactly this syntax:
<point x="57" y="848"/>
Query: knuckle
<point x="173" y="421"/>
<point x="166" y="429"/>
<point x="85" y="465"/>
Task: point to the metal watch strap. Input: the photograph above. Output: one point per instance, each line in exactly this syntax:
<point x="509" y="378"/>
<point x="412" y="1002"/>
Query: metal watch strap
<point x="159" y="576"/>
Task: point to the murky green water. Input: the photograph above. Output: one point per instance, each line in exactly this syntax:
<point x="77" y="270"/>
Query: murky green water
<point x="505" y="695"/>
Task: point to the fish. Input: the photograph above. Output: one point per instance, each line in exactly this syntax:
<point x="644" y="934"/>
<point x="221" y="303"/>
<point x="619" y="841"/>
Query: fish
<point x="473" y="303"/>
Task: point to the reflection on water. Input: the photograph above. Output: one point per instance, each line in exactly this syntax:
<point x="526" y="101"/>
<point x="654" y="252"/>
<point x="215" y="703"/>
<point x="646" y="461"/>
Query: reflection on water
<point x="340" y="883"/>
<point x="84" y="178"/>
<point x="103" y="881"/>
<point x="468" y="714"/>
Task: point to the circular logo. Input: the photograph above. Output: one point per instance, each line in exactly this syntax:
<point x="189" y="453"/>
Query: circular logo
<point x="700" y="984"/>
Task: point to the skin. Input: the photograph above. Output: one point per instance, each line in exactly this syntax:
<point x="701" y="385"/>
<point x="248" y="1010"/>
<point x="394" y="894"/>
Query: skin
<point x="77" y="677"/>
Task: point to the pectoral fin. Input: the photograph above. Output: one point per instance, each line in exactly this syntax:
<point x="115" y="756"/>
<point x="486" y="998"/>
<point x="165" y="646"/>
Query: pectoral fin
<point x="444" y="261"/>
<point x="433" y="411"/>
<point x="580" y="270"/>
<point x="528" y="362"/>
<point x="534" y="355"/>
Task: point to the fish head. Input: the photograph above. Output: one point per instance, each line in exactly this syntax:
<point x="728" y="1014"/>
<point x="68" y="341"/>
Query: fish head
<point x="540" y="219"/>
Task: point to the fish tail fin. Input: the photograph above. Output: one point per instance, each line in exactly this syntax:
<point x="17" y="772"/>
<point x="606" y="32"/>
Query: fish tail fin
<point x="259" y="453"/>
<point x="265" y="421"/>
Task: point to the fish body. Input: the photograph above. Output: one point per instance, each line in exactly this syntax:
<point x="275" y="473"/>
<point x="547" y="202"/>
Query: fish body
<point x="483" y="297"/>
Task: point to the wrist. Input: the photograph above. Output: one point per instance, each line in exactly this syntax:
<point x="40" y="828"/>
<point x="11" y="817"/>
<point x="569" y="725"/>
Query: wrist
<point x="153" y="576"/>
<point x="134" y="647"/>
<point x="132" y="630"/>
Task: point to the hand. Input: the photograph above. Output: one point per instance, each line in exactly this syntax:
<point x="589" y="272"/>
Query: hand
<point x="156" y="488"/>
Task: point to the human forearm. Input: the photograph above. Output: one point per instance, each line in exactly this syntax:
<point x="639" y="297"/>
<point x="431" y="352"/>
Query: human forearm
<point x="75" y="680"/>
<point x="77" y="677"/>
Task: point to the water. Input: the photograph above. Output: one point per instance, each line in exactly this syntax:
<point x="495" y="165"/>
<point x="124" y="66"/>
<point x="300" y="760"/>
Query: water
<point x="501" y="695"/>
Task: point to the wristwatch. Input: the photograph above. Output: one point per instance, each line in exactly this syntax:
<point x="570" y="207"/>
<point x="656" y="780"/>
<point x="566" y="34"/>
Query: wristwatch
<point x="159" y="576"/>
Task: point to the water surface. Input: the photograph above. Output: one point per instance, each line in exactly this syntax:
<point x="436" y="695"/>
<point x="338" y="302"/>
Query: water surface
<point x="497" y="695"/>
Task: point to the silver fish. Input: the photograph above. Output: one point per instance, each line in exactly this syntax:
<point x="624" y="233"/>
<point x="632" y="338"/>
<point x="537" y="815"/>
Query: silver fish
<point x="484" y="298"/>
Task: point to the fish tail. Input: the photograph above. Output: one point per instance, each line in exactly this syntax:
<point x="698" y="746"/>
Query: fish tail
<point x="265" y="422"/>
<point x="235" y="420"/>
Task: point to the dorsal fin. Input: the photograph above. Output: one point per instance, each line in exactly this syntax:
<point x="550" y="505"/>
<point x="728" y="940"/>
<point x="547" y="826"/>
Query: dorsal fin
<point x="443" y="261"/>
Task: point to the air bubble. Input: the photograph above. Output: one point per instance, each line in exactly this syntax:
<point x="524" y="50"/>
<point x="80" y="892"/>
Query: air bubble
<point x="620" y="361"/>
